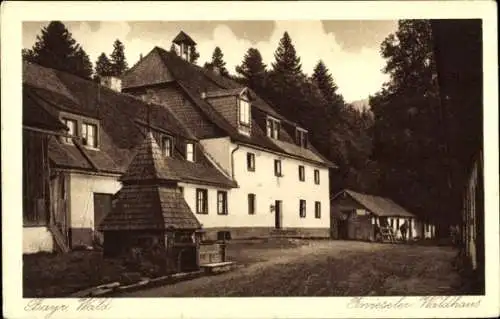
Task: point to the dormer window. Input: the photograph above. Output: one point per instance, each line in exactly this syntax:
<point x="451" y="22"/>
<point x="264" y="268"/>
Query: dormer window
<point x="71" y="125"/>
<point x="166" y="146"/>
<point x="89" y="135"/>
<point x="301" y="137"/>
<point x="273" y="128"/>
<point x="190" y="152"/>
<point x="244" y="111"/>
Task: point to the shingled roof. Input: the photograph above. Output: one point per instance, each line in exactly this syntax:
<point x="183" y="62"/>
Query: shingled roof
<point x="122" y="118"/>
<point x="148" y="164"/>
<point x="196" y="82"/>
<point x="379" y="206"/>
<point x="182" y="37"/>
<point x="146" y="202"/>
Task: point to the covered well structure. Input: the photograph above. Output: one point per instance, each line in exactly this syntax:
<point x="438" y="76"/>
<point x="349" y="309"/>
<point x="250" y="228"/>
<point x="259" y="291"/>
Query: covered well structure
<point x="150" y="212"/>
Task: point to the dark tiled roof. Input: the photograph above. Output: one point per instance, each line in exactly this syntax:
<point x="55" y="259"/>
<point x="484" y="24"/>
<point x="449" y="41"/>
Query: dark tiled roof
<point x="224" y="92"/>
<point x="195" y="81"/>
<point x="148" y="164"/>
<point x="182" y="37"/>
<point x="37" y="116"/>
<point x="378" y="205"/>
<point x="120" y="116"/>
<point x="149" y="207"/>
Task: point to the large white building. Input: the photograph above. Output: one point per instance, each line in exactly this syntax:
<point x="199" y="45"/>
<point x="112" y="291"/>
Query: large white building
<point x="282" y="181"/>
<point x="245" y="170"/>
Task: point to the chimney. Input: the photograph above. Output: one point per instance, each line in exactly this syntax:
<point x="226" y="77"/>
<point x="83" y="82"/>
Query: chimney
<point x="112" y="82"/>
<point x="216" y="69"/>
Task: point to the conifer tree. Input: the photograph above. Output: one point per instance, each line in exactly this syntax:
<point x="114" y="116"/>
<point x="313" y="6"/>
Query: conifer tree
<point x="118" y="58"/>
<point x="218" y="61"/>
<point x="56" y="48"/>
<point x="286" y="60"/>
<point x="323" y="79"/>
<point x="194" y="55"/>
<point x="253" y="69"/>
<point x="103" y="66"/>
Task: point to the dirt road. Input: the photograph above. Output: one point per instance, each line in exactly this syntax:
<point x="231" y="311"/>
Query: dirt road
<point x="325" y="268"/>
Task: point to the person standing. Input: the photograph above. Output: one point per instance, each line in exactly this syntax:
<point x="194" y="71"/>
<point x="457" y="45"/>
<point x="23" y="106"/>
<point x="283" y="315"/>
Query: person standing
<point x="404" y="229"/>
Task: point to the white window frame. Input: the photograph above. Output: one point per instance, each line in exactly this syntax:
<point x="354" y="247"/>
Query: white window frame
<point x="84" y="130"/>
<point x="250" y="162"/>
<point x="317" y="178"/>
<point x="273" y="127"/>
<point x="301" y="136"/>
<point x="71" y="131"/>
<point x="222" y="203"/>
<point x="190" y="152"/>
<point x="302" y="208"/>
<point x="302" y="173"/>
<point x="317" y="210"/>
<point x="202" y="201"/>
<point x="164" y="148"/>
<point x="244" y="112"/>
<point x="278" y="169"/>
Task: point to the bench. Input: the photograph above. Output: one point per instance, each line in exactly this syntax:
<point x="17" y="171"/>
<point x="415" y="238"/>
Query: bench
<point x="213" y="268"/>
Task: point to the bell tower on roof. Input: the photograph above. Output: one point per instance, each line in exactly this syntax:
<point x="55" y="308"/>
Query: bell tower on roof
<point x="186" y="45"/>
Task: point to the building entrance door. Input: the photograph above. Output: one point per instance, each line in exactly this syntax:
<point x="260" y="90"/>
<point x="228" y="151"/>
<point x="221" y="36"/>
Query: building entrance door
<point x="277" y="214"/>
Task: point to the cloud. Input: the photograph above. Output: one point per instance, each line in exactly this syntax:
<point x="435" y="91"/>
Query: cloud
<point x="357" y="74"/>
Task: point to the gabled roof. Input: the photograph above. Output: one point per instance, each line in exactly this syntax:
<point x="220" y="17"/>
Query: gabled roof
<point x="148" y="164"/>
<point x="196" y="82"/>
<point x="379" y="206"/>
<point x="122" y="118"/>
<point x="182" y="37"/>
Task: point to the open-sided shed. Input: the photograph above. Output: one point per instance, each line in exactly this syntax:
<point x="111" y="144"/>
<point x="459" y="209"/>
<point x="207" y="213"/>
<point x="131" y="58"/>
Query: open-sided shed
<point x="357" y="216"/>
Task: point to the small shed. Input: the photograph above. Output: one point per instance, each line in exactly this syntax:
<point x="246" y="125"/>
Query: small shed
<point x="358" y="215"/>
<point x="150" y="212"/>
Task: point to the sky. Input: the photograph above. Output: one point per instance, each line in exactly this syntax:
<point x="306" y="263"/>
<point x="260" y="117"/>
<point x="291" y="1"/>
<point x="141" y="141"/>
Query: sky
<point x="349" y="48"/>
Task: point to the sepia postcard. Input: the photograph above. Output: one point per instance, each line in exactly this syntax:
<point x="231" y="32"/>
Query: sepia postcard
<point x="250" y="159"/>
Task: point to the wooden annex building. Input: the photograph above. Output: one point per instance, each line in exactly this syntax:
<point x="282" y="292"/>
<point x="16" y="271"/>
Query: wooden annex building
<point x="357" y="216"/>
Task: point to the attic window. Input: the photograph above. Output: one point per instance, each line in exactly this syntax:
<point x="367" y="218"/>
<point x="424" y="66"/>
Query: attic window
<point x="71" y="125"/>
<point x="301" y="137"/>
<point x="89" y="135"/>
<point x="273" y="128"/>
<point x="244" y="111"/>
<point x="190" y="152"/>
<point x="166" y="146"/>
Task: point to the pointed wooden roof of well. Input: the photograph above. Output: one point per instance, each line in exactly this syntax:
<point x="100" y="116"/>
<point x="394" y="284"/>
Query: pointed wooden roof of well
<point x="148" y="164"/>
<point x="145" y="201"/>
<point x="182" y="37"/>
